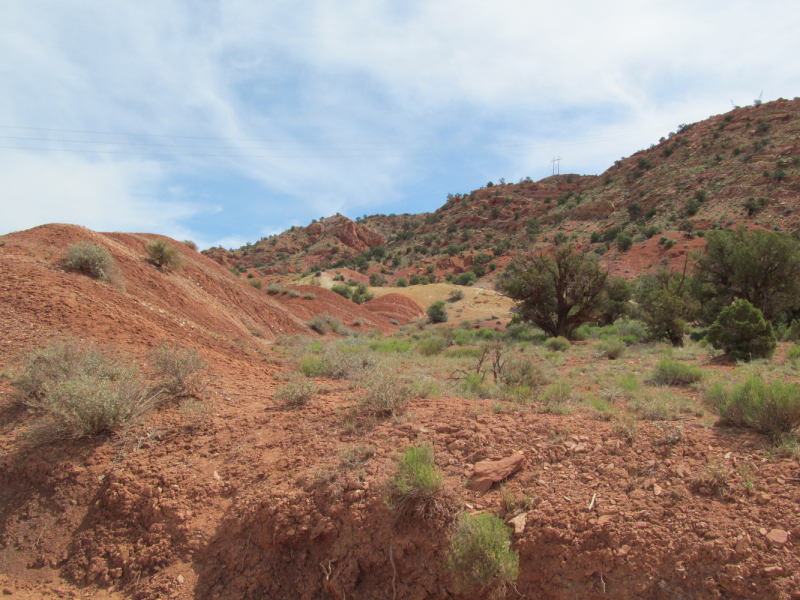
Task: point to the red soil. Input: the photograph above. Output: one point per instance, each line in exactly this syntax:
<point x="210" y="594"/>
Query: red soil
<point x="255" y="502"/>
<point x="395" y="306"/>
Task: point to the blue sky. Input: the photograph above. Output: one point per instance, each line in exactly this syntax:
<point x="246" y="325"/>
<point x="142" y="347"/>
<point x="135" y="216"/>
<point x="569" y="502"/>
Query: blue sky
<point x="227" y="121"/>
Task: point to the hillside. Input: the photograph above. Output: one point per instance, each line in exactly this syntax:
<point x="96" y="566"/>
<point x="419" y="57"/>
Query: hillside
<point x="279" y="478"/>
<point x="742" y="167"/>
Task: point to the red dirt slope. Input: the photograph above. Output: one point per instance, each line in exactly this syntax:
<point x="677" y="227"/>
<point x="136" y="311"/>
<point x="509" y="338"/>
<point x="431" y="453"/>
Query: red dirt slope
<point x="201" y="304"/>
<point x="395" y="306"/>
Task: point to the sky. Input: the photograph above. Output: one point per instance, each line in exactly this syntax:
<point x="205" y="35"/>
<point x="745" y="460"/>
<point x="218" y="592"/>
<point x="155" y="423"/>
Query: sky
<point x="227" y="121"/>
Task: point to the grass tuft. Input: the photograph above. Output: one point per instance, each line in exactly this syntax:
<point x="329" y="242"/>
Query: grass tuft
<point x="481" y="556"/>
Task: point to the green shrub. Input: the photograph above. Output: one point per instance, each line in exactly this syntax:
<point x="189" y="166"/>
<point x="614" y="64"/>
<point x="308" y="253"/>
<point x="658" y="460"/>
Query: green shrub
<point x="523" y="371"/>
<point x="361" y="294"/>
<point x="343" y="290"/>
<point x="557" y="397"/>
<point x="256" y="283"/>
<point x="417" y="487"/>
<point x="77" y="390"/>
<point x="481" y="556"/>
<point x="336" y="362"/>
<point x="181" y="371"/>
<point x="624" y="242"/>
<point x="658" y="404"/>
<point x="386" y="394"/>
<point x="92" y="260"/>
<point x="297" y="392"/>
<point x="437" y="312"/>
<point x="629" y="383"/>
<point x="190" y="244"/>
<point x="558" y="344"/>
<point x="792" y="333"/>
<point x="292" y="293"/>
<point x="794" y="353"/>
<point x="742" y="333"/>
<point x="672" y="372"/>
<point x="612" y="348"/>
<point x="61" y="361"/>
<point x="772" y="408"/>
<point x="308" y="296"/>
<point x="402" y="282"/>
<point x="163" y="255"/>
<point x="466" y="279"/>
<point x="456" y="295"/>
<point x="318" y="324"/>
<point x="274" y="288"/>
<point x="431" y="346"/>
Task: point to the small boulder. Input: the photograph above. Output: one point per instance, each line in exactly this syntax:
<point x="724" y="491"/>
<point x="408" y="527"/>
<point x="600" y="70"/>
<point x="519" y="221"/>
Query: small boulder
<point x="518" y="523"/>
<point x="777" y="538"/>
<point x="491" y="471"/>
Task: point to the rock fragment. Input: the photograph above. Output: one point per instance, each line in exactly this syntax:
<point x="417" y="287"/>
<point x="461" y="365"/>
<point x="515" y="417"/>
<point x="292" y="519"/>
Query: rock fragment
<point x="491" y="471"/>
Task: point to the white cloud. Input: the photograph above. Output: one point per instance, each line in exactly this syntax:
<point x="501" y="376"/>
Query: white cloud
<point x="444" y="76"/>
<point x="102" y="195"/>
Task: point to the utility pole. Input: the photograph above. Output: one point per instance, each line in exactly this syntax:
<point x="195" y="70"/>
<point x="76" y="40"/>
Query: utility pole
<point x="556" y="161"/>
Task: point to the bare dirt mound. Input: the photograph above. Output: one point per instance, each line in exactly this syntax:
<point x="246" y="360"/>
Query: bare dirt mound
<point x="395" y="306"/>
<point x="313" y="301"/>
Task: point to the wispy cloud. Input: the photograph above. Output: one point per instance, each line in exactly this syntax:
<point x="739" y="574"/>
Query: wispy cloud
<point x="431" y="97"/>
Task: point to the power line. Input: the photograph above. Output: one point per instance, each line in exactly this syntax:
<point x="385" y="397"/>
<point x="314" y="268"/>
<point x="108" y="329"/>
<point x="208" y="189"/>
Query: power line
<point x="605" y="136"/>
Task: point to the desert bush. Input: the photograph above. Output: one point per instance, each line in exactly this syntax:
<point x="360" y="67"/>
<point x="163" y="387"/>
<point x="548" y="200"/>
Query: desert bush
<point x="343" y="290"/>
<point x="61" y="361"/>
<point x="772" y="408"/>
<point x="742" y="333"/>
<point x="92" y="260"/>
<point x="181" y="371"/>
<point x="481" y="557"/>
<point x="658" y="404"/>
<point x="456" y="295"/>
<point x="337" y="362"/>
<point x="318" y="324"/>
<point x="402" y="282"/>
<point x="274" y="288"/>
<point x="629" y="383"/>
<point x="624" y="242"/>
<point x="557" y="397"/>
<point x="386" y="393"/>
<point x="793" y="354"/>
<point x="296" y="392"/>
<point x="437" y="312"/>
<point x="416" y="490"/>
<point x="78" y="390"/>
<point x="394" y="321"/>
<point x="558" y="344"/>
<point x="672" y="372"/>
<point x="523" y="371"/>
<point x="88" y="405"/>
<point x="358" y="322"/>
<point x="308" y="296"/>
<point x="792" y="333"/>
<point x="190" y="244"/>
<point x="293" y="293"/>
<point x="612" y="348"/>
<point x="431" y="346"/>
<point x="361" y="294"/>
<point x="256" y="283"/>
<point x="163" y="255"/>
<point x="467" y="278"/>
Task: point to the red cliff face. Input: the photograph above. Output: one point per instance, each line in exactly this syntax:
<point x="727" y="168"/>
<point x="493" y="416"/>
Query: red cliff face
<point x="351" y="234"/>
